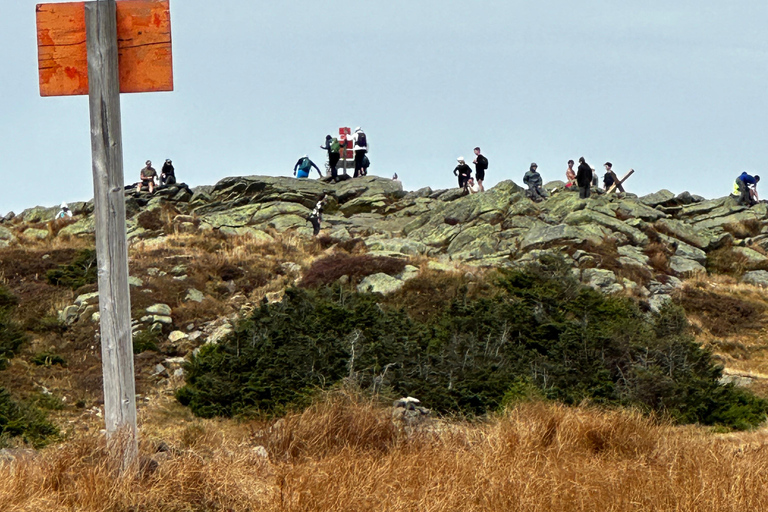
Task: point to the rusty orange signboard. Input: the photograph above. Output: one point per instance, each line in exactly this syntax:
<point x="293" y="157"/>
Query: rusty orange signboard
<point x="143" y="39"/>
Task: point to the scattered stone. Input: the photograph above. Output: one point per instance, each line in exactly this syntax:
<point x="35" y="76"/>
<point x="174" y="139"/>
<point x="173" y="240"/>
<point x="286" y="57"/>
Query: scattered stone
<point x="757" y="278"/>
<point x="175" y="336"/>
<point x="194" y="295"/>
<point x="69" y="315"/>
<point x="87" y="298"/>
<point x="219" y="334"/>
<point x="159" y="309"/>
<point x="685" y="267"/>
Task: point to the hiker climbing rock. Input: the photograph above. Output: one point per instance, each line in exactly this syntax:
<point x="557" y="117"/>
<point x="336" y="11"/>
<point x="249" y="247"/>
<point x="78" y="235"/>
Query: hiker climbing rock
<point x="360" y="147"/>
<point x="463" y="171"/>
<point x="533" y="179"/>
<point x="570" y="177"/>
<point x="147" y="176"/>
<point x="746" y="189"/>
<point x="167" y="174"/>
<point x="316" y="217"/>
<point x="64" y="213"/>
<point x="304" y="165"/>
<point x="584" y="179"/>
<point x="333" y="147"/>
<point x="481" y="165"/>
<point x="472" y="187"/>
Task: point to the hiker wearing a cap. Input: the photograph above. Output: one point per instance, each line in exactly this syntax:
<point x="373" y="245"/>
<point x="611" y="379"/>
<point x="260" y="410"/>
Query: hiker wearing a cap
<point x="333" y="147"/>
<point x="65" y="212"/>
<point x="360" y="147"/>
<point x="570" y="176"/>
<point x="463" y="171"/>
<point x="481" y="165"/>
<point x="746" y="189"/>
<point x="316" y="217"/>
<point x="148" y="175"/>
<point x="533" y="179"/>
<point x="167" y="174"/>
<point x="304" y="165"/>
<point x="584" y="179"/>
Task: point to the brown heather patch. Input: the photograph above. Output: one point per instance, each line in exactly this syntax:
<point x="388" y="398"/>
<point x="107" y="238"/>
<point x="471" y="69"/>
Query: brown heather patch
<point x="744" y="229"/>
<point x="722" y="314"/>
<point x="658" y="254"/>
<point x="344" y="455"/>
<point x="329" y="269"/>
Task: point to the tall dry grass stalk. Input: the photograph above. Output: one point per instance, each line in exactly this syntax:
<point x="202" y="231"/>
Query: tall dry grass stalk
<point x="346" y="455"/>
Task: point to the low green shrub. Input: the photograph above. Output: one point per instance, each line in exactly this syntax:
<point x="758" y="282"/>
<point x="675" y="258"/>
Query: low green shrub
<point x="25" y="421"/>
<point x="48" y="359"/>
<point x="145" y="340"/>
<point x="81" y="271"/>
<point x="542" y="334"/>
<point x="11" y="334"/>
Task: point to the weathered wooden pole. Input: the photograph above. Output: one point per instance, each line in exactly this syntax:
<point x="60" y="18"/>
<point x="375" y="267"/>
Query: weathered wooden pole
<point x="111" y="240"/>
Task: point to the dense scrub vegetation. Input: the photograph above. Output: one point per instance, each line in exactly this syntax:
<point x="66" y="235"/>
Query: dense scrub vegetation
<point x="17" y="419"/>
<point x="80" y="272"/>
<point x="539" y="333"/>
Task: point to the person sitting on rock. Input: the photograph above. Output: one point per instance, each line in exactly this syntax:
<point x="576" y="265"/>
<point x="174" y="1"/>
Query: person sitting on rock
<point x="316" y="217"/>
<point x="533" y="179"/>
<point x="472" y="187"/>
<point x="746" y="189"/>
<point x="147" y="176"/>
<point x="304" y="165"/>
<point x="64" y="213"/>
<point x="463" y="171"/>
<point x="167" y="174"/>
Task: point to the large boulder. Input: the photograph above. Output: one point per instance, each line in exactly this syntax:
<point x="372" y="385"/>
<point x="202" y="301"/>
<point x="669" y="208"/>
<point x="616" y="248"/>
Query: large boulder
<point x="380" y="283"/>
<point x="543" y="236"/>
<point x="662" y="197"/>
<point x="590" y="217"/>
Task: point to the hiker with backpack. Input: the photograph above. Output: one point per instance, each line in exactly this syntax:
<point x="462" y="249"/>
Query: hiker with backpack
<point x="481" y="165"/>
<point x="316" y="217"/>
<point x="333" y="146"/>
<point x="304" y="166"/>
<point x="463" y="171"/>
<point x="360" y="147"/>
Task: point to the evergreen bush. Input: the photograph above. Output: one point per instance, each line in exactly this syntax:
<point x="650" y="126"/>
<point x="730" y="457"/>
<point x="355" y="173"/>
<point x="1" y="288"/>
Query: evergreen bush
<point x="542" y="334"/>
<point x="81" y="271"/>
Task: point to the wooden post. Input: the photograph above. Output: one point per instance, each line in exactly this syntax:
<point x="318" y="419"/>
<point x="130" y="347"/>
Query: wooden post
<point x="111" y="240"/>
<point x="620" y="182"/>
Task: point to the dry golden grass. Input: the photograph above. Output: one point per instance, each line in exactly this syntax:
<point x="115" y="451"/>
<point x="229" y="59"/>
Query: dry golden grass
<point x="344" y="454"/>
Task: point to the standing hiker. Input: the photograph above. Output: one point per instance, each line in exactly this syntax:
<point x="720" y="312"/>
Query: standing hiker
<point x="360" y="147"/>
<point x="463" y="171"/>
<point x="584" y="179"/>
<point x="746" y="189"/>
<point x="481" y="165"/>
<point x="316" y="217"/>
<point x="610" y="179"/>
<point x="333" y="147"/>
<point x="570" y="176"/>
<point x="533" y="179"/>
<point x="304" y="165"/>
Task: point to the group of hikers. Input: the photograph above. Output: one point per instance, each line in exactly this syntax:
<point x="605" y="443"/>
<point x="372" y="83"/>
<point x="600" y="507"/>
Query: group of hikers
<point x="464" y="173"/>
<point x="584" y="178"/>
<point x="148" y="175"/>
<point x="359" y="146"/>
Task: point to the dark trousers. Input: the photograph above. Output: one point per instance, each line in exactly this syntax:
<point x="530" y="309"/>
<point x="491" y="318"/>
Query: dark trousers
<point x="315" y="224"/>
<point x="359" y="155"/>
<point x="585" y="192"/>
<point x="463" y="179"/>
<point x="333" y="161"/>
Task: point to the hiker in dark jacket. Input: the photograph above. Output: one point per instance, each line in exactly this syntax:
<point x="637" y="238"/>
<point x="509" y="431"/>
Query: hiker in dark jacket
<point x="316" y="217"/>
<point x="463" y="171"/>
<point x="303" y="166"/>
<point x="334" y="155"/>
<point x="167" y="174"/>
<point x="533" y="179"/>
<point x="481" y="165"/>
<point x="584" y="179"/>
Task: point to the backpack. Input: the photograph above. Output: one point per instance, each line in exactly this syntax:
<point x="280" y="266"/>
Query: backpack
<point x="335" y="145"/>
<point x="361" y="140"/>
<point x="305" y="165"/>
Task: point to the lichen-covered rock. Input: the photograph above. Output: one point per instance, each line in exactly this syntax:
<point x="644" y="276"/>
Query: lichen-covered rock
<point x="380" y="283"/>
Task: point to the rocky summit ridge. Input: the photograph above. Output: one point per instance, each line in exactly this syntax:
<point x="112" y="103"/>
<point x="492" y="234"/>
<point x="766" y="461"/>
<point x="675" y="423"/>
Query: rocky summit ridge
<point x="614" y="243"/>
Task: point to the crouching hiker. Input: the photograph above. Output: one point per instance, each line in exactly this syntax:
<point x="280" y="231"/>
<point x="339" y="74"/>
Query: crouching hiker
<point x="533" y="179"/>
<point x="746" y="189"/>
<point x="303" y="166"/>
<point x="316" y="217"/>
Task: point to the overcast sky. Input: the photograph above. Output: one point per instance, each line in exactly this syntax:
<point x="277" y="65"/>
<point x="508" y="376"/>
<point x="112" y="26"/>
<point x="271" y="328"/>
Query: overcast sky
<point x="676" y="90"/>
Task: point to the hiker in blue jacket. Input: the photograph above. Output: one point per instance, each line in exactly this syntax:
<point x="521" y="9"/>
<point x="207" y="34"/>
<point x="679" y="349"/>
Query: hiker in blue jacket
<point x="746" y="188"/>
<point x="304" y="165"/>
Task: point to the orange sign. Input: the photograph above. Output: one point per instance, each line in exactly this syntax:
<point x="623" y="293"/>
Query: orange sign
<point x="143" y="40"/>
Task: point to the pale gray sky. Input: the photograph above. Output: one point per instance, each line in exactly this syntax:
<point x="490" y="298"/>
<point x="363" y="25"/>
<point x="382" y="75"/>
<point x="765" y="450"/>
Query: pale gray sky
<point x="676" y="90"/>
